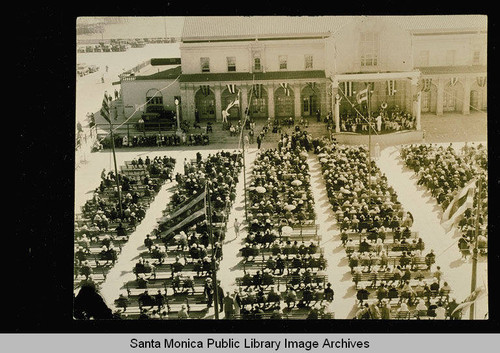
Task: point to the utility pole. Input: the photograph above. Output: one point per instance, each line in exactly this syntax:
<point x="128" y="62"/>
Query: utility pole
<point x="116" y="169"/>
<point x="214" y="258"/>
<point x="475" y="250"/>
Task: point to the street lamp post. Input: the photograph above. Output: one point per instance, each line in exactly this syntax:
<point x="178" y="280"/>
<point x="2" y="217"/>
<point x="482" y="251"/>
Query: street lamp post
<point x="177" y="115"/>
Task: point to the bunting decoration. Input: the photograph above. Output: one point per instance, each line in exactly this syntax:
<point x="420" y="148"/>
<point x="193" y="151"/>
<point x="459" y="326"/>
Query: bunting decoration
<point x="231" y="87"/>
<point x="285" y="87"/>
<point x="312" y="85"/>
<point x="257" y="90"/>
<point x="427" y="84"/>
<point x="453" y="81"/>
<point x="205" y="90"/>
<point x="391" y="87"/>
<point x="481" y="81"/>
<point x="348" y="89"/>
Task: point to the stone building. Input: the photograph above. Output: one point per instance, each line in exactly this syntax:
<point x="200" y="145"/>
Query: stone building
<point x="282" y="66"/>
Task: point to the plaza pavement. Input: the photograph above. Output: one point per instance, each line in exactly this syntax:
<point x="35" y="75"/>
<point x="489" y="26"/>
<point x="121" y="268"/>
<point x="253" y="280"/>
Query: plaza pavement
<point x="414" y="198"/>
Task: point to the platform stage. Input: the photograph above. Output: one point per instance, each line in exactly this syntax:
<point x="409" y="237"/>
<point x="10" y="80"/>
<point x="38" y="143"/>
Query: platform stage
<point x="384" y="140"/>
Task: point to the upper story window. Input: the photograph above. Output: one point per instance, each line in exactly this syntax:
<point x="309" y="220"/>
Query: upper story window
<point x="283" y="59"/>
<point x="450" y="57"/>
<point x="423" y="58"/>
<point x="205" y="64"/>
<point x="476" y="57"/>
<point x="257" y="63"/>
<point x="308" y="61"/>
<point x="369" y="48"/>
<point x="231" y="63"/>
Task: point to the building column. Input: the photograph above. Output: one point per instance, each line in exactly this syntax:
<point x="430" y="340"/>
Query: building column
<point x="440" y="97"/>
<point x="416" y="100"/>
<point x="270" y="100"/>
<point x="218" y="103"/>
<point x="467" y="83"/>
<point x="296" y="100"/>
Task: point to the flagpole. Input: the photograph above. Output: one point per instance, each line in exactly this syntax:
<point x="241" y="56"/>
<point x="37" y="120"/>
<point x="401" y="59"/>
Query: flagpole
<point x="369" y="147"/>
<point x="116" y="170"/>
<point x="214" y="259"/>
<point x="475" y="250"/>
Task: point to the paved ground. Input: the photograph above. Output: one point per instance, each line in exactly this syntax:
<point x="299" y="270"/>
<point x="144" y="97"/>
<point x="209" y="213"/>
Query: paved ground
<point x="455" y="127"/>
<point x="447" y="128"/>
<point x="415" y="199"/>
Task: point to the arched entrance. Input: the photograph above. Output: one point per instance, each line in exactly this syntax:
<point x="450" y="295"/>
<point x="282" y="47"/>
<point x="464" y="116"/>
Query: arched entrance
<point x="154" y="96"/>
<point x="451" y="97"/>
<point x="284" y="103"/>
<point x="259" y="103"/>
<point x="226" y="99"/>
<point x="310" y="100"/>
<point x="205" y="104"/>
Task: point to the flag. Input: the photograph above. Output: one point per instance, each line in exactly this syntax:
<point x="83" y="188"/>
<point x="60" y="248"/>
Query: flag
<point x="462" y="201"/>
<point x="105" y="108"/>
<point x="231" y="88"/>
<point x="473" y="297"/>
<point x="285" y="87"/>
<point x="391" y="87"/>
<point x="481" y="81"/>
<point x="453" y="81"/>
<point x="362" y="96"/>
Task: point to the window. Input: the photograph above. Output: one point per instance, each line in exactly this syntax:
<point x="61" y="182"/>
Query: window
<point x="476" y="57"/>
<point x="450" y="57"/>
<point x="423" y="59"/>
<point x="309" y="61"/>
<point x="369" y="49"/>
<point x="205" y="64"/>
<point x="231" y="63"/>
<point x="257" y="65"/>
<point x="283" y="62"/>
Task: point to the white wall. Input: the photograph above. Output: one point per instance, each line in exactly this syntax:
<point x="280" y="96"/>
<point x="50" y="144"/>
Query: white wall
<point x="134" y="93"/>
<point x="438" y="45"/>
<point x="242" y="51"/>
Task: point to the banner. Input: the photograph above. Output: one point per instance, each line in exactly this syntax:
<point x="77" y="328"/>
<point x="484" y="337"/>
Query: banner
<point x="205" y="90"/>
<point x="188" y="204"/>
<point x="348" y="89"/>
<point x="362" y="96"/>
<point x="453" y="81"/>
<point x="481" y="81"/>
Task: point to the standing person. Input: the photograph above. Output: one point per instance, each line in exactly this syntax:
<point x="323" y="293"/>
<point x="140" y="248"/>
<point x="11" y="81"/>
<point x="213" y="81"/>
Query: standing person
<point x="236" y="227"/>
<point x="196" y="116"/>
<point x="318" y="116"/>
<point x="229" y="304"/>
<point x="116" y="94"/>
<point x="377" y="151"/>
<point x="379" y="123"/>
<point x="259" y="141"/>
<point x="107" y="68"/>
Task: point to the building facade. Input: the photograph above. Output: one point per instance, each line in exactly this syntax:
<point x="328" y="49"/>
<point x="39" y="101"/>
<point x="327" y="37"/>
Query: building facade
<point x="279" y="66"/>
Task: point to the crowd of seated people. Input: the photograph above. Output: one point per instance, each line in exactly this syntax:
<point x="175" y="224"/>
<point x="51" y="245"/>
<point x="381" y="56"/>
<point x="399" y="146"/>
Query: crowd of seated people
<point x="282" y="273"/>
<point x="181" y="261"/>
<point x="101" y="229"/>
<point x="159" y="140"/>
<point x="386" y="258"/>
<point x="444" y="171"/>
<point x="384" y="121"/>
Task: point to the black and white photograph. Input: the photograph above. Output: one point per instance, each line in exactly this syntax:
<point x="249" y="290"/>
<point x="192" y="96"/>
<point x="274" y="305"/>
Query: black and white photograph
<point x="281" y="168"/>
